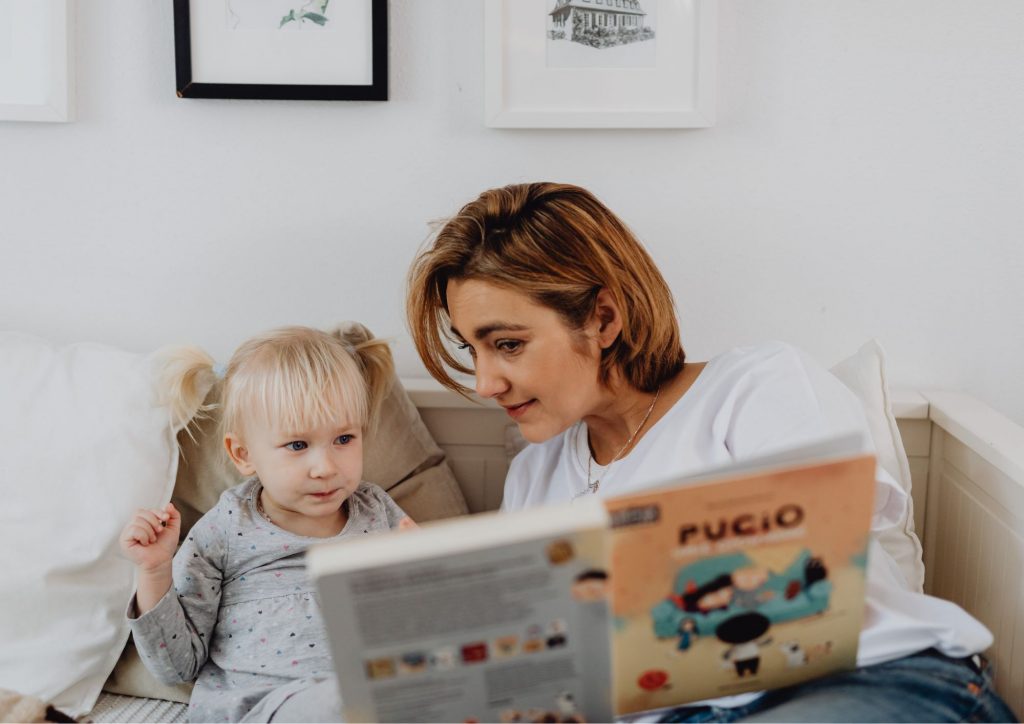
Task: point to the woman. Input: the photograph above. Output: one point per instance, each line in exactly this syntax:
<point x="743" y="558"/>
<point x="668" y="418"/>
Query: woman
<point x="571" y="328"/>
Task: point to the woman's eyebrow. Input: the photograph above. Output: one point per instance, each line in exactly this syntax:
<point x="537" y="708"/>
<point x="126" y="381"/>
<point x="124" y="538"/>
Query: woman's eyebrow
<point x="485" y="330"/>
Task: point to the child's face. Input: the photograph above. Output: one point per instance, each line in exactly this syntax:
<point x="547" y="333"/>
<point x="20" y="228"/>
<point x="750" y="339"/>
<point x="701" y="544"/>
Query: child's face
<point x="305" y="473"/>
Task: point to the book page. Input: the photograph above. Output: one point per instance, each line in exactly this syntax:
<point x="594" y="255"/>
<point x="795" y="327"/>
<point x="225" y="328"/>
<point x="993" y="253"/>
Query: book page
<point x="510" y="632"/>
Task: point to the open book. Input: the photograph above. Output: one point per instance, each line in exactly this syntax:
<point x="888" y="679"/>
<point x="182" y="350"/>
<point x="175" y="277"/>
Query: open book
<point x="742" y="580"/>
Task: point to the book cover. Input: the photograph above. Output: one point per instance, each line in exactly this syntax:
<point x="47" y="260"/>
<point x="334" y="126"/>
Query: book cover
<point x="750" y="583"/>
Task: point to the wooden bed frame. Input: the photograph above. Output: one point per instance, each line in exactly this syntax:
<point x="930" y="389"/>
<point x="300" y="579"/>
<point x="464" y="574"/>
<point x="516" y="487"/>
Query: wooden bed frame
<point x="967" y="466"/>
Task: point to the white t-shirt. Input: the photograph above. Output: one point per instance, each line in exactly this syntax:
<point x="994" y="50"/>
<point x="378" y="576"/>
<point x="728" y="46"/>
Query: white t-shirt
<point x="747" y="403"/>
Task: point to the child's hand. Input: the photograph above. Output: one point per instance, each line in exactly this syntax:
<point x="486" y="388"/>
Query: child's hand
<point x="150" y="538"/>
<point x="407" y="523"/>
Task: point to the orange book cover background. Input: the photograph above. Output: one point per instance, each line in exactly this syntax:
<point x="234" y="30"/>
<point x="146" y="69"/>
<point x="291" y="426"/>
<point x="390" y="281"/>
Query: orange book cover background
<point x="743" y="585"/>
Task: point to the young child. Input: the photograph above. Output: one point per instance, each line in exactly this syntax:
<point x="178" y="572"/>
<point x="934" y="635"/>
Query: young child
<point x="235" y="610"/>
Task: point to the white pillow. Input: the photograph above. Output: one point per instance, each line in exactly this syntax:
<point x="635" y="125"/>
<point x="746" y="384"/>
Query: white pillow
<point x="83" y="443"/>
<point x="864" y="374"/>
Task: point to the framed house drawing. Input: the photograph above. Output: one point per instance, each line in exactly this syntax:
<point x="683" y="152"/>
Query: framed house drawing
<point x="600" y="63"/>
<point x="37" y="60"/>
<point x="282" y="49"/>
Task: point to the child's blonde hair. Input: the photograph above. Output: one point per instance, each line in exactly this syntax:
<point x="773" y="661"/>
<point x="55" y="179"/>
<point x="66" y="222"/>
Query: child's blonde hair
<point x="295" y="377"/>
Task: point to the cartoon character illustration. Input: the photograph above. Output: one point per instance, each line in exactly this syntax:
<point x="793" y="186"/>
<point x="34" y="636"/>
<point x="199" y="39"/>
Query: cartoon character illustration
<point x="797" y="656"/>
<point x="715" y="595"/>
<point x="687" y="630"/>
<point x="565" y="704"/>
<point x="794" y="654"/>
<point x="741" y="632"/>
<point x="590" y="586"/>
<point x="750" y="587"/>
<point x="557" y="634"/>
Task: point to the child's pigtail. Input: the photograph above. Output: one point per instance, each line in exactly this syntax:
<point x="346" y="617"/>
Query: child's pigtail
<point x="378" y="366"/>
<point x="185" y="376"/>
<point x="374" y="357"/>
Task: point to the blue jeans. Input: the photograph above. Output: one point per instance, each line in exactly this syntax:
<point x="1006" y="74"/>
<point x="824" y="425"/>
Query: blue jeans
<point x="924" y="687"/>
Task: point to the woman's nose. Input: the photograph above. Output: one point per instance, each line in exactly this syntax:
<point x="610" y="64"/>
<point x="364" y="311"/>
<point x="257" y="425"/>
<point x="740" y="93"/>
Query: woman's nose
<point x="489" y="381"/>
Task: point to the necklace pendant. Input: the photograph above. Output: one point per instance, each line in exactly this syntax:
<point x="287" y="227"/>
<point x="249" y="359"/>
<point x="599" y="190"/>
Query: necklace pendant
<point x="592" y="487"/>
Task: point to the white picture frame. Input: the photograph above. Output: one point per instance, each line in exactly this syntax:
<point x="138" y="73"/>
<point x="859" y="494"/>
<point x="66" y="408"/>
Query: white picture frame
<point x="666" y="81"/>
<point x="37" y="60"/>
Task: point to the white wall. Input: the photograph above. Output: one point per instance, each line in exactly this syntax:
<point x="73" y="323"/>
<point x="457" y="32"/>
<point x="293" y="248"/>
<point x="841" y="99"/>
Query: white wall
<point x="865" y="178"/>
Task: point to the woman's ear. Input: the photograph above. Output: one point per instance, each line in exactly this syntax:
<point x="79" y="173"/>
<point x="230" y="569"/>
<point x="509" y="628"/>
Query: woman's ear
<point x="607" y="319"/>
<point x="239" y="454"/>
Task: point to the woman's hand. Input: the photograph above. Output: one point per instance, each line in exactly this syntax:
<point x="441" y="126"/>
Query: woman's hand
<point x="151" y="537"/>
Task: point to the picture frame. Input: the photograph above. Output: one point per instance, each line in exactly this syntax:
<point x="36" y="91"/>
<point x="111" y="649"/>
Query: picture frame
<point x="37" y="60"/>
<point x="600" y="63"/>
<point x="281" y="49"/>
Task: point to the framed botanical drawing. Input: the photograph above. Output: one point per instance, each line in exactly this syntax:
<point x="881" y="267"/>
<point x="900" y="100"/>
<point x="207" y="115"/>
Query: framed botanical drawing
<point x="600" y="63"/>
<point x="37" y="60"/>
<point x="282" y="49"/>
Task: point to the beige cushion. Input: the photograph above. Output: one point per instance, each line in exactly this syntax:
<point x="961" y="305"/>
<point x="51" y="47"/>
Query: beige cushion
<point x="400" y="456"/>
<point x="131" y="678"/>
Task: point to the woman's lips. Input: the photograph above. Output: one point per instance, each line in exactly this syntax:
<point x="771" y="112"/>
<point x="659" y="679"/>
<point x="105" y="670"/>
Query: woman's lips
<point x="517" y="411"/>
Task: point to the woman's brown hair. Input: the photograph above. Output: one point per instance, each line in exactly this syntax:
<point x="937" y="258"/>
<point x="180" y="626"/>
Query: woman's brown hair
<point x="558" y="245"/>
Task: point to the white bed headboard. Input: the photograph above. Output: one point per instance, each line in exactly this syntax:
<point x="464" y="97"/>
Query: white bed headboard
<point x="967" y="469"/>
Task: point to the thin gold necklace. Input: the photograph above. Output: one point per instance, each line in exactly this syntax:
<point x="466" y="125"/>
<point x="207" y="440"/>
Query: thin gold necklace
<point x="259" y="506"/>
<point x="593" y="485"/>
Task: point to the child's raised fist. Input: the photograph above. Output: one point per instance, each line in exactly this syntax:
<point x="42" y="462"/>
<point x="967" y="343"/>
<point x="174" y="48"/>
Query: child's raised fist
<point x="151" y="537"/>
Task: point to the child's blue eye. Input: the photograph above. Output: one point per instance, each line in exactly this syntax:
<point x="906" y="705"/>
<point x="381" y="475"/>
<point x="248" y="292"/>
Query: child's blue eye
<point x="344" y="439"/>
<point x="297" y="445"/>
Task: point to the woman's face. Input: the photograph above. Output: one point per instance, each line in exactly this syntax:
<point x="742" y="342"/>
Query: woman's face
<point x="526" y="358"/>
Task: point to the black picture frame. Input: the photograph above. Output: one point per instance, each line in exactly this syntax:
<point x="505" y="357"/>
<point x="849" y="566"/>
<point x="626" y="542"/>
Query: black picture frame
<point x="377" y="90"/>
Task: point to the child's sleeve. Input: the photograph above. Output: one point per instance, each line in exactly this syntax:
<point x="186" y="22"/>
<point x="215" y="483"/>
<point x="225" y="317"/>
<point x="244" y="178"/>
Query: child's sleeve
<point x="390" y="508"/>
<point x="174" y="637"/>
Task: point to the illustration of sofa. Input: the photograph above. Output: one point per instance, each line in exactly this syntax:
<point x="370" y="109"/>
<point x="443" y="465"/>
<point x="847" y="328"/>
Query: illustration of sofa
<point x="714" y="589"/>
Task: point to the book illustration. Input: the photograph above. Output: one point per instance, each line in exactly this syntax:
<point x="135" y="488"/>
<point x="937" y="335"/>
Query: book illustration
<point x="707" y="593"/>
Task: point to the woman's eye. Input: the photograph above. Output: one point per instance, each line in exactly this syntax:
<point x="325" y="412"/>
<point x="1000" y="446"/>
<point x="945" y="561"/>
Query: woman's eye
<point x="344" y="439"/>
<point x="297" y="445"/>
<point x="466" y="346"/>
<point x="508" y="345"/>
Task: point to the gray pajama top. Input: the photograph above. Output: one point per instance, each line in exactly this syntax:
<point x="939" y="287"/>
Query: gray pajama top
<point x="242" y="618"/>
